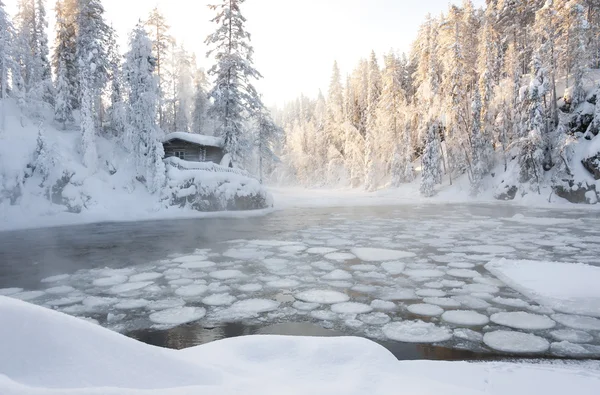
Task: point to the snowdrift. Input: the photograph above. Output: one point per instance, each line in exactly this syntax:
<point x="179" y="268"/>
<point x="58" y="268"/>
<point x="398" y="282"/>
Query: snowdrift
<point x="47" y="353"/>
<point x="42" y="178"/>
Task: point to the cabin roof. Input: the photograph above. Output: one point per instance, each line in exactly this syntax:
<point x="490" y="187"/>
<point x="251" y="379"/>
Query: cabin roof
<point x="199" y="139"/>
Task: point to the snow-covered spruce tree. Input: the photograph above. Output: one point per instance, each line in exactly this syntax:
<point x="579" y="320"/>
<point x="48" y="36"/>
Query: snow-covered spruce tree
<point x="371" y="153"/>
<point x="478" y="146"/>
<point x="579" y="54"/>
<point x="183" y="95"/>
<point x="47" y="89"/>
<point x="6" y="59"/>
<point x="266" y="135"/>
<point x="143" y="135"/>
<point x="117" y="110"/>
<point x="431" y="164"/>
<point x="235" y="99"/>
<point x="334" y="134"/>
<point x="63" y="64"/>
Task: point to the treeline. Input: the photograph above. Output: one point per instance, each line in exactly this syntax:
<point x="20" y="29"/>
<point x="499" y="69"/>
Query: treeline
<point x="479" y="88"/>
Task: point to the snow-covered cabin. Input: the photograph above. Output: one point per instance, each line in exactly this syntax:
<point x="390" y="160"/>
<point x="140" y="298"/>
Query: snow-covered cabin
<point x="194" y="147"/>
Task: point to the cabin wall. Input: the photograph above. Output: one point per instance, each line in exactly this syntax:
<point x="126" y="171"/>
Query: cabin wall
<point x="193" y="152"/>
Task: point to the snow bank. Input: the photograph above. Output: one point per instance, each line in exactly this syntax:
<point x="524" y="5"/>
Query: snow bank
<point x="565" y="287"/>
<point x="48" y="353"/>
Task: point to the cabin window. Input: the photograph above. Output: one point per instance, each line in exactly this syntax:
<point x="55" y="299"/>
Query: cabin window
<point x="180" y="154"/>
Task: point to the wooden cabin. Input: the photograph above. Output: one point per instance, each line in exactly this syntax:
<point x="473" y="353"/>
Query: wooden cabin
<point x="194" y="147"/>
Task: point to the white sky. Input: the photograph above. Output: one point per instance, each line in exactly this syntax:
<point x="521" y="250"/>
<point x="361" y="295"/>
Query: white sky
<point x="295" y="41"/>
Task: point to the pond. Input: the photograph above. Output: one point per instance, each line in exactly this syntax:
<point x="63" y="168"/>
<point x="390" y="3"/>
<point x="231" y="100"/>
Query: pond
<point x="409" y="277"/>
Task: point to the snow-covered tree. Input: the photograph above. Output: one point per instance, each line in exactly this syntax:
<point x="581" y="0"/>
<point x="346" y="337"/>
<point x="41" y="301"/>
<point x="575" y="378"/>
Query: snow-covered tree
<point x="373" y="96"/>
<point x="162" y="41"/>
<point x="431" y="163"/>
<point x="201" y="104"/>
<point x="65" y="58"/>
<point x="335" y="113"/>
<point x="234" y="97"/>
<point x="143" y="135"/>
<point x="6" y="59"/>
<point x="266" y="135"/>
<point x="117" y="109"/>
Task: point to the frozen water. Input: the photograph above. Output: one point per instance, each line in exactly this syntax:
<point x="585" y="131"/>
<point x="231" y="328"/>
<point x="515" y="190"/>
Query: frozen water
<point x="128" y="287"/>
<point x="246" y="254"/>
<point x="10" y="291"/>
<point x="28" y="295"/>
<point x="340" y="256"/>
<point x="416" y="332"/>
<point x="354" y="323"/>
<point x="304" y="306"/>
<point x="463" y="273"/>
<point x="475" y="288"/>
<point x="444" y="302"/>
<point x="430" y="293"/>
<point x="523" y="320"/>
<point x="255" y="306"/>
<point x="511" y="302"/>
<point x="223" y="299"/>
<point x="293" y="248"/>
<point x="178" y="315"/>
<point x="226" y="274"/>
<point x="63" y="289"/>
<point x="452" y="283"/>
<point x="375" y="318"/>
<point x="380" y="255"/>
<point x="190" y="291"/>
<point x="461" y="265"/>
<point x="54" y="279"/>
<point x="322" y="296"/>
<point x="321" y="250"/>
<point x="572" y="336"/>
<point x="149" y="276"/>
<point x="468" y="334"/>
<point x="324" y="315"/>
<point x="434" y="285"/>
<point x="393" y="267"/>
<point x="491" y="249"/>
<point x="338" y="275"/>
<point x="516" y="342"/>
<point x="578" y="322"/>
<point x="351" y="308"/>
<point x="131" y="304"/>
<point x="198" y="265"/>
<point x="181" y="281"/>
<point x="384" y="305"/>
<point x="189" y="258"/>
<point x="254" y="287"/>
<point x="472" y="302"/>
<point x="363" y="268"/>
<point x="283" y="283"/>
<point x="427" y="273"/>
<point x="65" y="301"/>
<point x="165" y="304"/>
<point x="465" y="318"/>
<point x="323" y="265"/>
<point x="398" y="294"/>
<point x="567" y="349"/>
<point x="425" y="310"/>
<point x="110" y="281"/>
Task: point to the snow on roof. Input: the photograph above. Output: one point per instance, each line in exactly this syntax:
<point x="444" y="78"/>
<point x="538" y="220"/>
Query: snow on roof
<point x="199" y="139"/>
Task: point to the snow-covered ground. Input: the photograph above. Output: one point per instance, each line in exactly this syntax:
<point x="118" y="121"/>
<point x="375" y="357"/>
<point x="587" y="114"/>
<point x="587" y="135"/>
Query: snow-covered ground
<point x="408" y="273"/>
<point x="48" y="353"/>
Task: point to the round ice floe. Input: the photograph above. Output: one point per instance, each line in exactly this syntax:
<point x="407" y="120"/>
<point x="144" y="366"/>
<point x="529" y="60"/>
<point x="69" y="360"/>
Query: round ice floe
<point x="452" y="283"/>
<point x="398" y="294"/>
<point x="340" y="284"/>
<point x="322" y="296"/>
<point x="427" y="273"/>
<point x="416" y="332"/>
<point x="578" y="321"/>
<point x="354" y="323"/>
<point x="337" y="275"/>
<point x="380" y="255"/>
<point x="149" y="276"/>
<point x="293" y="248"/>
<point x="434" y="285"/>
<point x="63" y="289"/>
<point x="472" y="302"/>
<point x="178" y="316"/>
<point x="28" y="295"/>
<point x="66" y="301"/>
<point x="491" y="249"/>
<point x="254" y="287"/>
<point x="128" y="287"/>
<point x="488" y="281"/>
<point x="481" y="288"/>
<point x="351" y="308"/>
<point x="283" y="283"/>
<point x="254" y="306"/>
<point x="567" y="349"/>
<point x="463" y="273"/>
<point x="393" y="267"/>
<point x="223" y="299"/>
<point x="304" y="306"/>
<point x="523" y="320"/>
<point x="465" y="318"/>
<point x="10" y="291"/>
<point x="372" y="275"/>
<point x="468" y="334"/>
<point x="190" y="291"/>
<point x="425" y="310"/>
<point x="516" y="342"/>
<point x="131" y="304"/>
<point x="165" y="304"/>
<point x="384" y="305"/>
<point x="323" y="315"/>
<point x="340" y="256"/>
<point x="430" y="293"/>
<point x="110" y="281"/>
<point x="54" y="279"/>
<point x="226" y="274"/>
<point x="365" y="288"/>
<point x="321" y="250"/>
<point x="572" y="336"/>
<point x="198" y="265"/>
<point x="323" y="265"/>
<point x="363" y="268"/>
<point x="375" y="318"/>
<point x="181" y="281"/>
<point x="246" y="254"/>
<point x="511" y="302"/>
<point x="461" y="265"/>
<point x="444" y="302"/>
<point x="190" y="258"/>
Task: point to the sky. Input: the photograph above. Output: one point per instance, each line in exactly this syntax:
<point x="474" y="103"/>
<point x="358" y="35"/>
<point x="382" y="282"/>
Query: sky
<point x="295" y="41"/>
